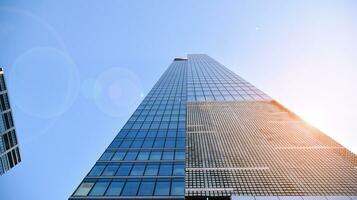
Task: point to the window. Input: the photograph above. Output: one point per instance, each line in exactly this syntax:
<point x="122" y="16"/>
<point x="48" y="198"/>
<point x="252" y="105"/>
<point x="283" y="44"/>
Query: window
<point x="181" y="133"/>
<point x="151" y="170"/>
<point x="138" y="170"/>
<point x="141" y="134"/>
<point x="131" y="188"/>
<point x="168" y="155"/>
<point x="159" y="143"/>
<point x="143" y="155"/>
<point x="137" y="144"/>
<point x="131" y="155"/>
<point x="119" y="155"/>
<point x="179" y="155"/>
<point x="99" y="189"/>
<point x="165" y="170"/>
<point x="152" y="134"/>
<point x="124" y="170"/>
<point x="180" y="143"/>
<point x="115" y="189"/>
<point x="84" y="189"/>
<point x="133" y="133"/>
<point x="171" y="133"/>
<point x="148" y="143"/>
<point x="97" y="170"/>
<point x="110" y="170"/>
<point x="125" y="144"/>
<point x="155" y="125"/>
<point x="179" y="170"/>
<point x="177" y="188"/>
<point x="122" y="133"/>
<point x="162" y="188"/>
<point x="170" y="143"/>
<point x="173" y="125"/>
<point x="146" y="188"/>
<point x="106" y="156"/>
<point x="114" y="144"/>
<point x="161" y="134"/>
<point x="155" y="155"/>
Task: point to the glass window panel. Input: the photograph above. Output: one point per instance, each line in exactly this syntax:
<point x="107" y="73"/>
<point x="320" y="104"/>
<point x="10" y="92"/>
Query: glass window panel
<point x="130" y="188"/>
<point x="170" y="143"/>
<point x="155" y="155"/>
<point x="159" y="143"/>
<point x="137" y="170"/>
<point x="143" y="155"/>
<point x="173" y="124"/>
<point x="125" y="144"/>
<point x="145" y="126"/>
<point x="151" y="170"/>
<point x="177" y="188"/>
<point x="180" y="143"/>
<point x="146" y="188"/>
<point x="124" y="170"/>
<point x="161" y="134"/>
<point x="171" y="133"/>
<point x="114" y="189"/>
<point x="131" y="155"/>
<point x="122" y="133"/>
<point x="84" y="189"/>
<point x="168" y="155"/>
<point x="119" y="155"/>
<point x="99" y="189"/>
<point x="179" y="155"/>
<point x="165" y="170"/>
<point x="135" y="126"/>
<point x="162" y="188"/>
<point x="182" y="125"/>
<point x="141" y="134"/>
<point x="148" y="143"/>
<point x="181" y="134"/>
<point x="152" y="134"/>
<point x="97" y="170"/>
<point x="110" y="170"/>
<point x="137" y="144"/>
<point x="106" y="156"/>
<point x="218" y="97"/>
<point x="114" y="144"/>
<point x="179" y="170"/>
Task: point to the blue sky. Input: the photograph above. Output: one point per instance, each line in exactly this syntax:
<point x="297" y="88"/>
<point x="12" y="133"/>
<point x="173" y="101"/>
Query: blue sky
<point x="76" y="70"/>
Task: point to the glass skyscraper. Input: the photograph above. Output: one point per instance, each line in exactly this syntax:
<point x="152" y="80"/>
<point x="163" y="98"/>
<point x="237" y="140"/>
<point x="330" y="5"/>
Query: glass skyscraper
<point x="9" y="150"/>
<point x="205" y="133"/>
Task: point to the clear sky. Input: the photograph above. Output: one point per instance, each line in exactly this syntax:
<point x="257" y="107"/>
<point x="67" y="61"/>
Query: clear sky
<point x="76" y="70"/>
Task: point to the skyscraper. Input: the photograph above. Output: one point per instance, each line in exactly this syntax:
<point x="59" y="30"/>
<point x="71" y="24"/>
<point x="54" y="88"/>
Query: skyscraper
<point x="205" y="133"/>
<point x="9" y="150"/>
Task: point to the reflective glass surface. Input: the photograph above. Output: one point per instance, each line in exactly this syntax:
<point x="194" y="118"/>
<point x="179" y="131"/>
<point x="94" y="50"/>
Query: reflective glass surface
<point x="148" y="154"/>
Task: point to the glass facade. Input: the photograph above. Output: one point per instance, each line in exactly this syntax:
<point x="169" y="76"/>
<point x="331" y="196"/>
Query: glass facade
<point x="9" y="150"/>
<point x="208" y="80"/>
<point x="147" y="158"/>
<point x="204" y="132"/>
